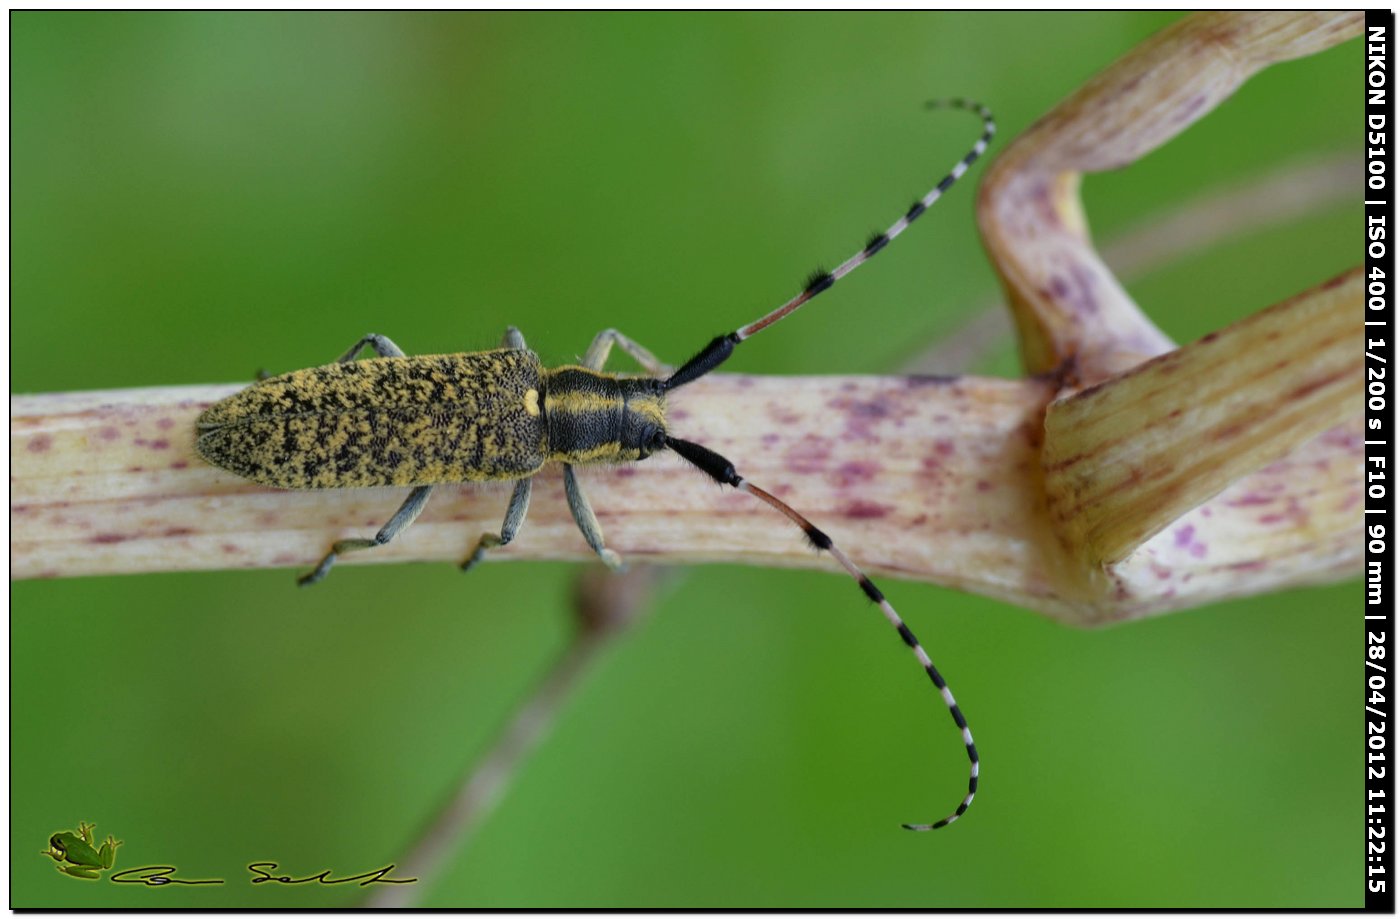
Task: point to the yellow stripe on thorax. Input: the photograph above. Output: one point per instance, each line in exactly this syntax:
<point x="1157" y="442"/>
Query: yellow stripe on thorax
<point x="575" y="402"/>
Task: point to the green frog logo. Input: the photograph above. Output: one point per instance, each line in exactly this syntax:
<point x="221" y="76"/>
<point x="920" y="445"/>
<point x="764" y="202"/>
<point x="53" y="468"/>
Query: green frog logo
<point x="77" y="853"/>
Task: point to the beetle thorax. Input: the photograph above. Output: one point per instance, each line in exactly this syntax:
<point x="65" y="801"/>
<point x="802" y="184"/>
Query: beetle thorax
<point x="593" y="417"/>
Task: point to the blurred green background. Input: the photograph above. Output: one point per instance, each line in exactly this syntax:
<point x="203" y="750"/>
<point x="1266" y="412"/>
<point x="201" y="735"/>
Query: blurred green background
<point x="195" y="196"/>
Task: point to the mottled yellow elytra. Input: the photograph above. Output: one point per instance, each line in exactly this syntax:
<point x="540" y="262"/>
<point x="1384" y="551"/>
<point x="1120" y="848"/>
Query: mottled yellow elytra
<point x="428" y="420"/>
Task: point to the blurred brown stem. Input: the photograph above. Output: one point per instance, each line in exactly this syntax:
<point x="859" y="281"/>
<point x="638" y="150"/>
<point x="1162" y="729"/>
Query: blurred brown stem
<point x="605" y="606"/>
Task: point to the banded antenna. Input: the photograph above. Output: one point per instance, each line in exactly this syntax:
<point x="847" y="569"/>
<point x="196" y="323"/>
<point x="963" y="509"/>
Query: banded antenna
<point x="722" y="470"/>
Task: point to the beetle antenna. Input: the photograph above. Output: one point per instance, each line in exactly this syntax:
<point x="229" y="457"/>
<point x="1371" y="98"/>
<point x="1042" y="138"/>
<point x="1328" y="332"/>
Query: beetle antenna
<point x="722" y="471"/>
<point x="718" y="350"/>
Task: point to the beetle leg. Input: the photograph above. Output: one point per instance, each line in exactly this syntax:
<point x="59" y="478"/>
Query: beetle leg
<point x="405" y="515"/>
<point x="515" y="515"/>
<point x="597" y="354"/>
<point x="381" y="344"/>
<point x="587" y="522"/>
<point x="513" y="339"/>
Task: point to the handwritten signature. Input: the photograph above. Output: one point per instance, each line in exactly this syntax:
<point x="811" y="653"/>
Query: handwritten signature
<point x="263" y="873"/>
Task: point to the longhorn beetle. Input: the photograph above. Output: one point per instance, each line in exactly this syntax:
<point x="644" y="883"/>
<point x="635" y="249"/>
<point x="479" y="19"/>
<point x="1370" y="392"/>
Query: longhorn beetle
<point x="500" y="415"/>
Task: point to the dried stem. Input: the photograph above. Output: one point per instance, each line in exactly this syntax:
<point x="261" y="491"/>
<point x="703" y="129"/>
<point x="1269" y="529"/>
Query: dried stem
<point x="108" y="482"/>
<point x="1229" y="467"/>
<point x="1292" y="193"/>
<point x="1208" y="436"/>
<point x="1125" y="458"/>
<point x="1066" y="302"/>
